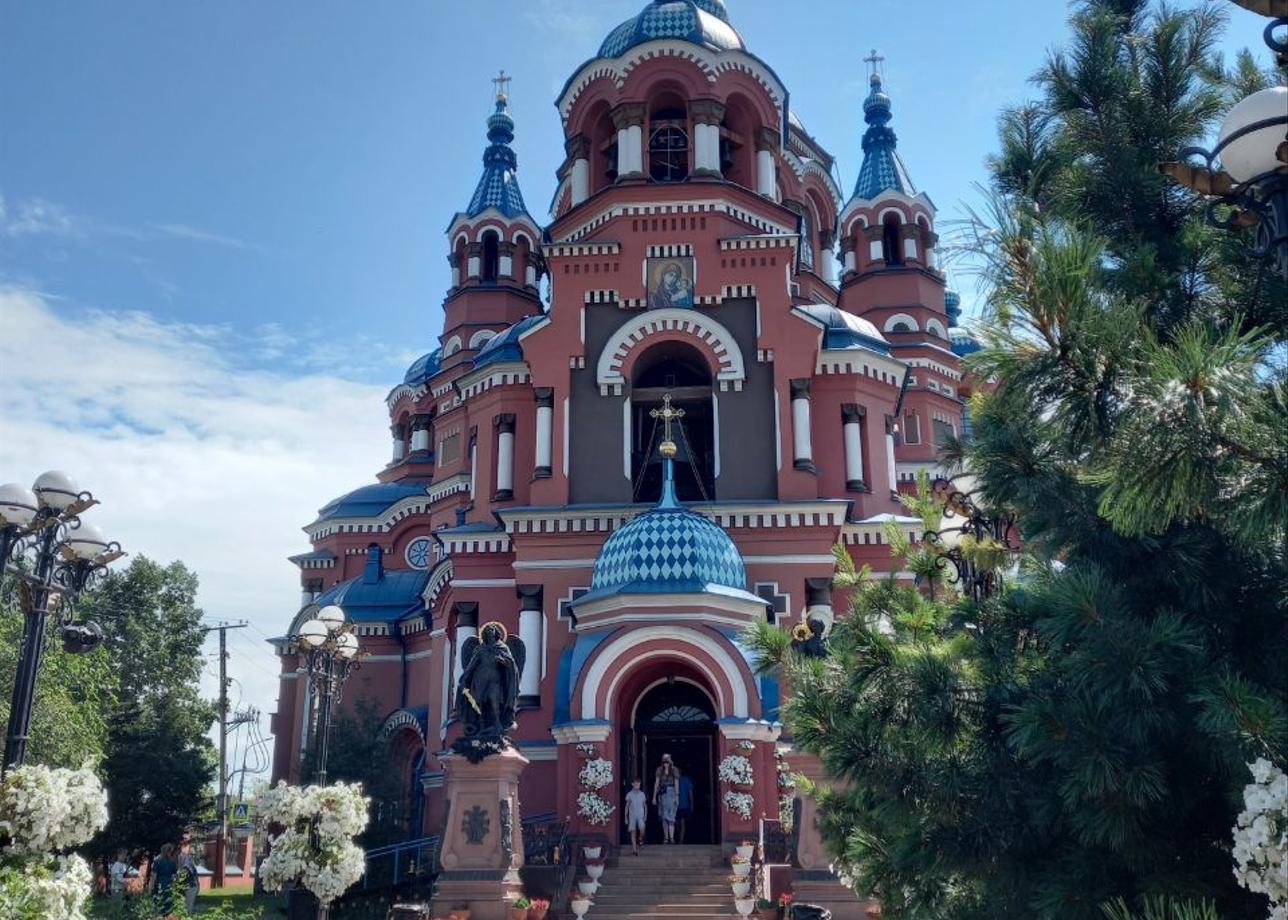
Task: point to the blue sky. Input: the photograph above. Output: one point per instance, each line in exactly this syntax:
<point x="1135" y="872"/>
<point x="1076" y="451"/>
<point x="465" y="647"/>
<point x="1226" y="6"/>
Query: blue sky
<point x="227" y="219"/>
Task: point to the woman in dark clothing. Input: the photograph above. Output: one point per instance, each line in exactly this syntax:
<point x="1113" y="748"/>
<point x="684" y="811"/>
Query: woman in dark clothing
<point x="163" y="873"/>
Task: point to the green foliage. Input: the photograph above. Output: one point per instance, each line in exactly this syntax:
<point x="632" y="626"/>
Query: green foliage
<point x="1161" y="908"/>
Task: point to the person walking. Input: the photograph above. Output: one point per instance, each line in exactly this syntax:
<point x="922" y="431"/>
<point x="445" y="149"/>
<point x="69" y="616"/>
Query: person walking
<point x="636" y="814"/>
<point x="668" y="805"/>
<point x="685" y="810"/>
<point x="164" y="869"/>
<point x="116" y="874"/>
<point x="188" y="877"/>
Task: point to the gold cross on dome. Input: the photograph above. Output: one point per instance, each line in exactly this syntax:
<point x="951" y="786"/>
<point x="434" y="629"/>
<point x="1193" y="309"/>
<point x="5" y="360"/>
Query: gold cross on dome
<point x="502" y="83"/>
<point x="666" y="414"/>
<point x="875" y="60"/>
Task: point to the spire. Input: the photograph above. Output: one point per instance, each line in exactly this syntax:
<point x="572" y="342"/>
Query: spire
<point x="882" y="169"/>
<point x="499" y="185"/>
<point x="668" y="501"/>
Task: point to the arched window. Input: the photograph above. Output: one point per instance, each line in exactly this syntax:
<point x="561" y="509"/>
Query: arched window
<point x="668" y="146"/>
<point x="890" y="240"/>
<point x="680" y="370"/>
<point x="481" y="338"/>
<point x="491" y="255"/>
<point x="807" y="233"/>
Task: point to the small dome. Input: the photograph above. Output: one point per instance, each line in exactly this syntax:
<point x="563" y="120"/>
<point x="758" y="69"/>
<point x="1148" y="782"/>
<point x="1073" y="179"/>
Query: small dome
<point x="396" y="594"/>
<point x="369" y="501"/>
<point x="423" y="368"/>
<point x="844" y="330"/>
<point x="668" y="550"/>
<point x="962" y="342"/>
<point x="953" y="306"/>
<point x="504" y="346"/>
<point x="702" y="22"/>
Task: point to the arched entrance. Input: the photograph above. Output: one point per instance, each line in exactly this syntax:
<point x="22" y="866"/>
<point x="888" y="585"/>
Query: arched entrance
<point x="672" y="711"/>
<point x="678" y="370"/>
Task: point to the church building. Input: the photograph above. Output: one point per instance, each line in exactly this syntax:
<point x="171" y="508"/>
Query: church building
<point x="736" y="366"/>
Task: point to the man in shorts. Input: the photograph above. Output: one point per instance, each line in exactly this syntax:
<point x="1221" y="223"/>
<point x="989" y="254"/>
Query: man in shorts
<point x="636" y="812"/>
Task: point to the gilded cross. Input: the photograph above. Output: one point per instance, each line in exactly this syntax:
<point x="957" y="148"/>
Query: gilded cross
<point x="666" y="414"/>
<point x="875" y="60"/>
<point x="502" y="83"/>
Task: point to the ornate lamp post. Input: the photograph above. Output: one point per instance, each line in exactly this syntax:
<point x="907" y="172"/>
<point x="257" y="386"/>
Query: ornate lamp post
<point x="982" y="542"/>
<point x="1246" y="173"/>
<point x="55" y="556"/>
<point x="332" y="649"/>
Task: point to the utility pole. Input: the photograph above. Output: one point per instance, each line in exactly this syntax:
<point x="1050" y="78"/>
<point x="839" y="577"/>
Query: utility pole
<point x="221" y="800"/>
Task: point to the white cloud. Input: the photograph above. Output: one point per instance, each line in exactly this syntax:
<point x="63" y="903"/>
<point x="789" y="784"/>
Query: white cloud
<point x="193" y="457"/>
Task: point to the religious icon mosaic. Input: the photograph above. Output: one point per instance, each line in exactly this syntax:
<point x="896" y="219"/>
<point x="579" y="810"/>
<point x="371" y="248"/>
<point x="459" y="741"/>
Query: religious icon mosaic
<point x="670" y="282"/>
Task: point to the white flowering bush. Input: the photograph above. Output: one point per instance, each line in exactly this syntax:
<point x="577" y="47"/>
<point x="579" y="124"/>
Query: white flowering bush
<point x="746" y="745"/>
<point x="596" y="774"/>
<point x="736" y="769"/>
<point x="316" y="851"/>
<point x="594" y="807"/>
<point x="1261" y="837"/>
<point x="49" y="809"/>
<point x="739" y="803"/>
<point x="45" y="811"/>
<point x="586" y="749"/>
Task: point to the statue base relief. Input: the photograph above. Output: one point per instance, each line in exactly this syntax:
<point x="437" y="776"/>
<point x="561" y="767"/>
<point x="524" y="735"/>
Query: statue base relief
<point x="482" y="847"/>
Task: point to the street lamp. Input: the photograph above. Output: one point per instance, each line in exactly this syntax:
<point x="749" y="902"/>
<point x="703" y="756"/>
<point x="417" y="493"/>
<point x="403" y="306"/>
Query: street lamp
<point x="331" y="648"/>
<point x="55" y="556"/>
<point x="1246" y="173"/>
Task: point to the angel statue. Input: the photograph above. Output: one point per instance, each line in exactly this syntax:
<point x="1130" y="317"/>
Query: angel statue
<point x="488" y="691"/>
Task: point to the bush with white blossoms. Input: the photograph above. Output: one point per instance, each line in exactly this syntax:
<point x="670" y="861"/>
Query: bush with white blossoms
<point x="316" y="851"/>
<point x="736" y="769"/>
<point x="739" y="803"/>
<point x="596" y="774"/>
<point x="45" y="811"/>
<point x="594" y="807"/>
<point x="1261" y="837"/>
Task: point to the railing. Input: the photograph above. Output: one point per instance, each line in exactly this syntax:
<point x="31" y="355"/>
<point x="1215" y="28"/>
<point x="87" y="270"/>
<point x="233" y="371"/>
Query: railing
<point x="775" y="843"/>
<point x="398" y="863"/>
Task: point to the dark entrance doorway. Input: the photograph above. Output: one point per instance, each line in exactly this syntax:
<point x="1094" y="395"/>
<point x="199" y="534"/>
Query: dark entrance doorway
<point x="677" y="370"/>
<point x="676" y="717"/>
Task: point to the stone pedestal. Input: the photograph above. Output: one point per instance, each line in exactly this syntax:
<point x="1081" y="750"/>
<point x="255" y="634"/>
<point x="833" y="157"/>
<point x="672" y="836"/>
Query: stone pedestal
<point x="482" y="848"/>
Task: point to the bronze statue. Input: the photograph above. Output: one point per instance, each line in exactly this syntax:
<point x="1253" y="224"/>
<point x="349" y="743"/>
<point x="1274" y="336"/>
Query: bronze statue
<point x="488" y="691"/>
<point x="808" y="638"/>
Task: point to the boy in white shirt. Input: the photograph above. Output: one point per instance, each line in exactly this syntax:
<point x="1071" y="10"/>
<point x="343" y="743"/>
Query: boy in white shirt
<point x="635" y="812"/>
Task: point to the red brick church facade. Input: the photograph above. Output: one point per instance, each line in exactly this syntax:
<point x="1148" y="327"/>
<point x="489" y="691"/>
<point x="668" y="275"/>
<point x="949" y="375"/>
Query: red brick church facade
<point x="700" y="248"/>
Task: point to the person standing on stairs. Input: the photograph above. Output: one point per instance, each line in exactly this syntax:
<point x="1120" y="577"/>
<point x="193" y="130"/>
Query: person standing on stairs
<point x="636" y="813"/>
<point x="668" y="806"/>
<point x="685" y="811"/>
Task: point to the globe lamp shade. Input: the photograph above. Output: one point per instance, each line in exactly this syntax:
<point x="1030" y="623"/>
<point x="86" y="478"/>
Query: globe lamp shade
<point x="331" y="616"/>
<point x="1253" y="154"/>
<point x="86" y="542"/>
<point x="56" y="490"/>
<point x="313" y="633"/>
<point x="17" y="504"/>
<point x="347" y="645"/>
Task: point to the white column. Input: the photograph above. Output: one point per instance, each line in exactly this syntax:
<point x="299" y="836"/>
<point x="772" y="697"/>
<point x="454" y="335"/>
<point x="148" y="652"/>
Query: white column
<point x="545" y="430"/>
<point x="635" y="142"/>
<point x="849" y="261"/>
<point x="504" y="456"/>
<point x="456" y="275"/>
<point x="472" y="268"/>
<point x="892" y="475"/>
<point x="910" y="249"/>
<point x="802" y="446"/>
<point x="306" y="597"/>
<point x="530" y="274"/>
<point x="766" y="183"/>
<point x="399" y="448"/>
<point x="505" y="266"/>
<point x="580" y="180"/>
<point x="826" y="264"/>
<point x="624" y="161"/>
<point x="420" y="434"/>
<point x="851" y="427"/>
<point x="467" y="625"/>
<point x="530" y="633"/>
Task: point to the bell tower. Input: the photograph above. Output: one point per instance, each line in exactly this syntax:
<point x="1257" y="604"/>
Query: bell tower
<point x="890" y="278"/>
<point x="495" y="248"/>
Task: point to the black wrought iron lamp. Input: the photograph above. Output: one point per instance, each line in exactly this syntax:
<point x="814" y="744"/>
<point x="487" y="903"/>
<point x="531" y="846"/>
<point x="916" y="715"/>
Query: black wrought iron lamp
<point x="56" y="556"/>
<point x="331" y="649"/>
<point x="1246" y="173"/>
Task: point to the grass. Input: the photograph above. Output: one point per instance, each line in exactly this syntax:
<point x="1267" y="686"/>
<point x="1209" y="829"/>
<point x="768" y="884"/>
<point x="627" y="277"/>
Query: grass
<point x="226" y="904"/>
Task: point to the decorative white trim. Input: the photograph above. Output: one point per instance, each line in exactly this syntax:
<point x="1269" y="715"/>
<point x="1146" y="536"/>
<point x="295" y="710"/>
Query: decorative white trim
<point x="578" y="250"/>
<point x="481" y="338"/>
<point x="789" y="515"/>
<point x="935" y="327"/>
<point x="638" y="329"/>
<point x="751" y="730"/>
<point x="759" y="241"/>
<point x="610" y="210"/>
<point x="528" y="564"/>
<point x="470" y="544"/>
<point x="510" y="373"/>
<point x="668" y="250"/>
<point x="909" y="321"/>
<point x="404" y="389"/>
<point x="576" y="733"/>
<point x="483" y="583"/>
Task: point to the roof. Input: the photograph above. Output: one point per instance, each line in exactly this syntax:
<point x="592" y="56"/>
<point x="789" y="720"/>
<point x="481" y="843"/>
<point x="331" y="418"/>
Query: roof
<point x="394" y="595"/>
<point x="504" y="346"/>
<point x="423" y="368"/>
<point x="962" y="342"/>
<point x="882" y="169"/>
<point x="369" y="501"/>
<point x="701" y="22"/>
<point x="498" y="187"/>
<point x="668" y="550"/>
<point x="842" y="330"/>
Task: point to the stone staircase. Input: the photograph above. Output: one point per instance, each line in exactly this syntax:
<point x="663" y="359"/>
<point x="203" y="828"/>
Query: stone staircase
<point x="675" y="882"/>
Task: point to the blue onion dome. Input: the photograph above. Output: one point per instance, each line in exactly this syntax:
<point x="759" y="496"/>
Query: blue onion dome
<point x="953" y="306"/>
<point x="423" y="368"/>
<point x="668" y="549"/>
<point x="962" y="342"/>
<point x="702" y="22"/>
<point x="505" y="345"/>
<point x="499" y="185"/>
<point x="882" y="169"/>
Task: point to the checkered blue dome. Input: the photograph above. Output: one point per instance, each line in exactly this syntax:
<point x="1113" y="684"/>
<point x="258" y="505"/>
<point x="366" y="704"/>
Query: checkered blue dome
<point x="702" y="22"/>
<point x="668" y="549"/>
<point x="498" y="187"/>
<point x="882" y="169"/>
